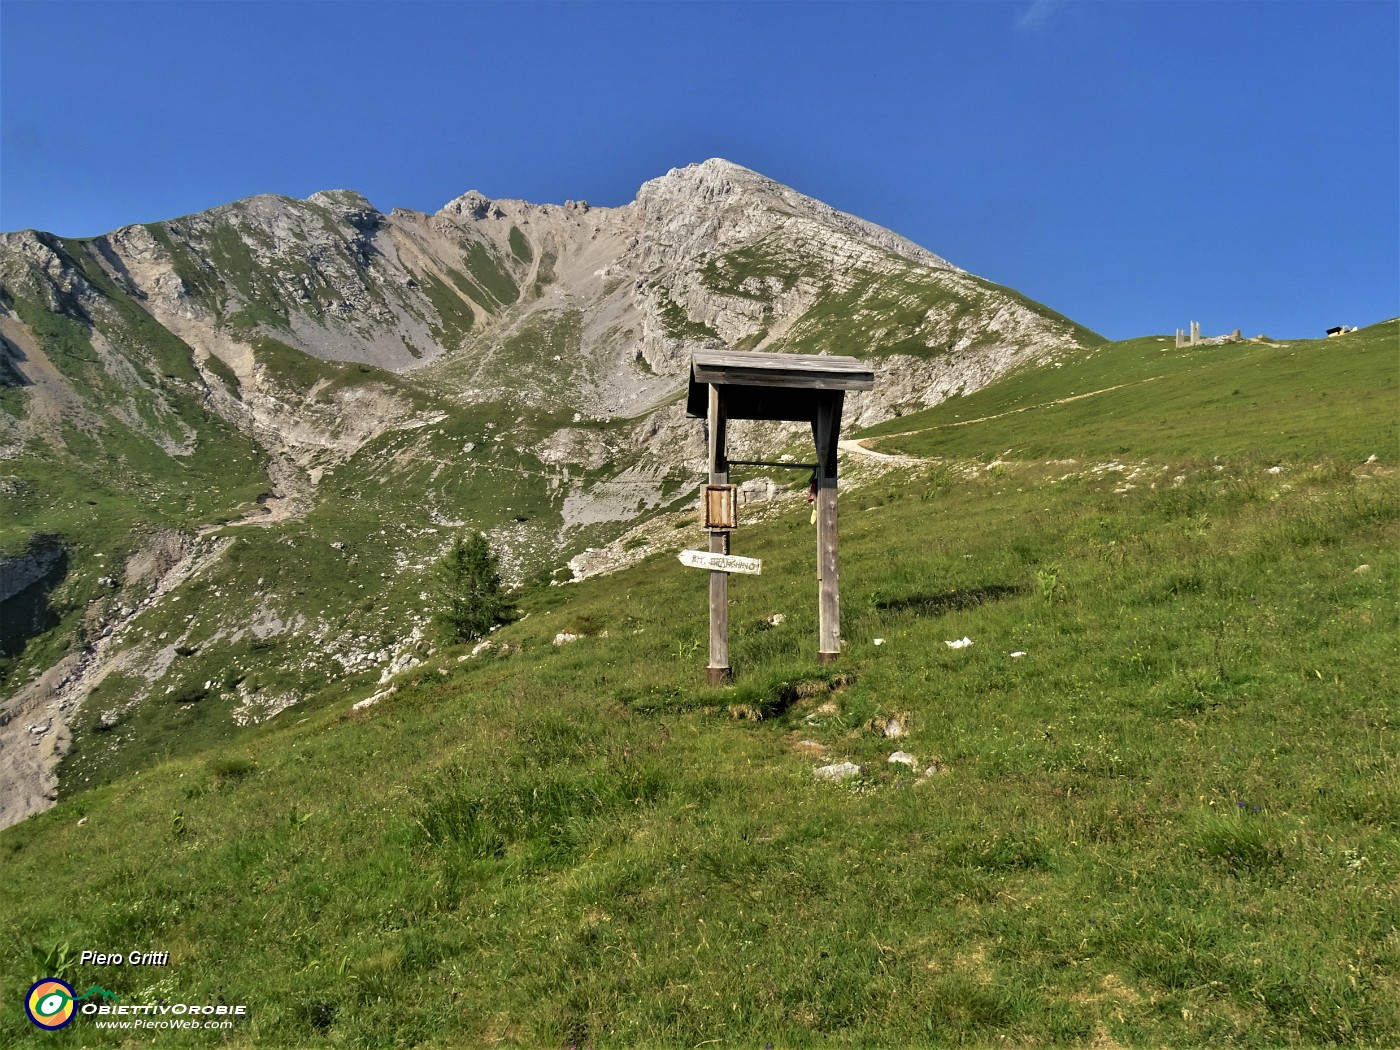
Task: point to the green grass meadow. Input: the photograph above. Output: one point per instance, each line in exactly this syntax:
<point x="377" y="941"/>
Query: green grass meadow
<point x="1146" y="399"/>
<point x="1174" y="820"/>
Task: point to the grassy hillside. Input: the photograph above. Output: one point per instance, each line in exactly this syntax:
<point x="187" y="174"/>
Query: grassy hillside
<point x="1174" y="820"/>
<point x="298" y="612"/>
<point x="1145" y="398"/>
<point x="909" y="309"/>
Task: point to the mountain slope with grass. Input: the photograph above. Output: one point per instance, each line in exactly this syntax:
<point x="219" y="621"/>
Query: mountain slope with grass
<point x="1154" y="802"/>
<point x="232" y="443"/>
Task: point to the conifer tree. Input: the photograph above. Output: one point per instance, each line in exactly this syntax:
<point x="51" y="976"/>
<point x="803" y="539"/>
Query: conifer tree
<point x="469" y="598"/>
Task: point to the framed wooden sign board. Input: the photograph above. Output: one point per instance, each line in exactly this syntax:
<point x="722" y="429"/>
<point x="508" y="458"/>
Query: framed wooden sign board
<point x="720" y="507"/>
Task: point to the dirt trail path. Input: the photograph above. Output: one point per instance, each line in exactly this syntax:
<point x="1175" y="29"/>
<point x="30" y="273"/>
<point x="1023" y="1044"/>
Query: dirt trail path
<point x="857" y="447"/>
<point x="854" y="447"/>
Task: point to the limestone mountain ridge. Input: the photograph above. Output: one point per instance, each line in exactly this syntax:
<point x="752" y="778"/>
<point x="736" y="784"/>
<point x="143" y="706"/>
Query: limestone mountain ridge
<point x="588" y="312"/>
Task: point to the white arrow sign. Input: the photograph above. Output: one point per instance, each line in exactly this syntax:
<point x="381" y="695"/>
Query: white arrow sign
<point x="721" y="562"/>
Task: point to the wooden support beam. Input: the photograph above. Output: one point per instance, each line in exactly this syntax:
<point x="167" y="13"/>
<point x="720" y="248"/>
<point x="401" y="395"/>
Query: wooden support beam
<point x="719" y="669"/>
<point x="826" y="429"/>
<point x="771" y="463"/>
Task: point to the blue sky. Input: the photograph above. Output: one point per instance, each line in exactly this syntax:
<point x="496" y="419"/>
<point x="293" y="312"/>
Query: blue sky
<point x="1135" y="166"/>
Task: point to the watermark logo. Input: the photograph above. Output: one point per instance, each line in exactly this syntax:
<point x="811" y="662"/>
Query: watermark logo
<point x="49" y="1004"/>
<point x="52" y="1004"/>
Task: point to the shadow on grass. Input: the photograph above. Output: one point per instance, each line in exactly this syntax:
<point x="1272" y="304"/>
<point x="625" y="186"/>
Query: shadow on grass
<point x="948" y="601"/>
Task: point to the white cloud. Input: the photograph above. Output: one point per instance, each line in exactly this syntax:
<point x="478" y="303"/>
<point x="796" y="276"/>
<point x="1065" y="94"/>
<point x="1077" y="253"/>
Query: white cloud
<point x="1037" y="14"/>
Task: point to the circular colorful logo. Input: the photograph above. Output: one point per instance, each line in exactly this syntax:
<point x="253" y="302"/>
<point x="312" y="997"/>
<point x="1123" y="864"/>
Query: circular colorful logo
<point x="49" y="1003"/>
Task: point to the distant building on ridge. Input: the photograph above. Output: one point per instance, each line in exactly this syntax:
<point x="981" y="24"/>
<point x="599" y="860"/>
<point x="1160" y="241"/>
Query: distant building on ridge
<point x="1194" y="337"/>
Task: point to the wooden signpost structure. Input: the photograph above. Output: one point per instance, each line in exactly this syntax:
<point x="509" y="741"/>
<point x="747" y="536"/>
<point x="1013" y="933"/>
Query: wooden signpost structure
<point x="808" y="388"/>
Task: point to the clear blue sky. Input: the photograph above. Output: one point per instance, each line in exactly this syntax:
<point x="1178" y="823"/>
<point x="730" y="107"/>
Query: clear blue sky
<point x="1134" y="165"/>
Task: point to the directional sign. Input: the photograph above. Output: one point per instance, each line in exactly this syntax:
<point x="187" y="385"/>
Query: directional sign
<point x="721" y="562"/>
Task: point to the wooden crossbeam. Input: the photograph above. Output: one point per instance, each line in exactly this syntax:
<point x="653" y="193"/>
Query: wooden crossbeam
<point x="771" y="463"/>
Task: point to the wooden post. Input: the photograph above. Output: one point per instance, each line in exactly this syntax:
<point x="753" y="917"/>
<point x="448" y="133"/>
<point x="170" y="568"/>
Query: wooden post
<point x="719" y="670"/>
<point x="826" y="428"/>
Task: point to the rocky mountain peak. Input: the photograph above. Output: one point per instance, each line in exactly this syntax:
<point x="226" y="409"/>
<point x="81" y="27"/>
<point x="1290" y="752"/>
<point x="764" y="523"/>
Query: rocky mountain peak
<point x="350" y="206"/>
<point x="471" y="204"/>
<point x="727" y="193"/>
<point x="710" y="180"/>
<point x="337" y="199"/>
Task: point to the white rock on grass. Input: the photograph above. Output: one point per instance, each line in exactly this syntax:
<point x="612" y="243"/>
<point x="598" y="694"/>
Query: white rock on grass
<point x="564" y="638"/>
<point x="838" y="771"/>
<point x="399" y="666"/>
<point x="934" y="768"/>
<point x="370" y="701"/>
<point x="904" y="758"/>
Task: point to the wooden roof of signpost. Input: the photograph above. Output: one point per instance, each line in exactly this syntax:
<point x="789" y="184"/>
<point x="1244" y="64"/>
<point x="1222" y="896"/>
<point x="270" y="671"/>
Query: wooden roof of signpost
<point x="771" y="386"/>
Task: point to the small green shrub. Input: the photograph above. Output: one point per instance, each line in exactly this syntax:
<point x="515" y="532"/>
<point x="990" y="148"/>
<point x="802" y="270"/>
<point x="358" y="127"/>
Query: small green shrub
<point x="229" y="767"/>
<point x="189" y="694"/>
